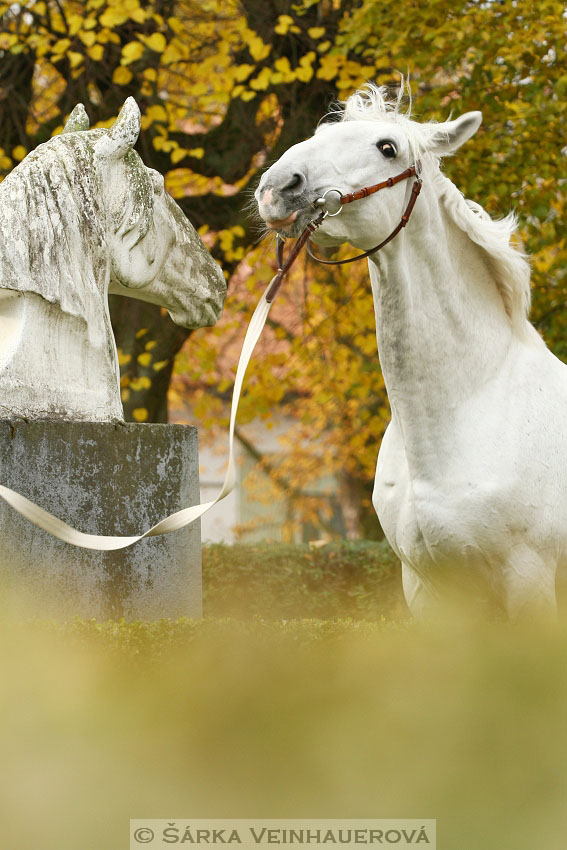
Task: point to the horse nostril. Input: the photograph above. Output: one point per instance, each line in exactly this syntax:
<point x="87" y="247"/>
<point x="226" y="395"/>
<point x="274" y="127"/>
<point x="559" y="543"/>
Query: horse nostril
<point x="295" y="185"/>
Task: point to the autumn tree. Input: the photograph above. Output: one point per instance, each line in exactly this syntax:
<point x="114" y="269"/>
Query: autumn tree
<point x="221" y="86"/>
<point x="224" y="89"/>
<point x="508" y="60"/>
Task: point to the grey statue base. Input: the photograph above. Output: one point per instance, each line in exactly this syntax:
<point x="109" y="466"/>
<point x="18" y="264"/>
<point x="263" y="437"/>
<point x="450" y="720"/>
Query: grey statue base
<point x="102" y="478"/>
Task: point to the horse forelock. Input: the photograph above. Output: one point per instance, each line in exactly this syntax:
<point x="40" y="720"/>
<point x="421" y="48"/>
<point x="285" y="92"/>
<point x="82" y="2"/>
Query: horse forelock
<point x="376" y="103"/>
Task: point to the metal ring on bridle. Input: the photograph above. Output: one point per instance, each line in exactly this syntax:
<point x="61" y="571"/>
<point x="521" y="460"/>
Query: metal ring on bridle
<point x="322" y="202"/>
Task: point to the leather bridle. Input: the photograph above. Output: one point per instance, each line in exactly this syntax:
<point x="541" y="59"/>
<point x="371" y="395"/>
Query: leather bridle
<point x="340" y="201"/>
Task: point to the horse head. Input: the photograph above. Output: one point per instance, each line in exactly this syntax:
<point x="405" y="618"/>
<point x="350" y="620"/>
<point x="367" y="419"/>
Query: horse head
<point x="155" y="254"/>
<point x="82" y="216"/>
<point x="371" y="143"/>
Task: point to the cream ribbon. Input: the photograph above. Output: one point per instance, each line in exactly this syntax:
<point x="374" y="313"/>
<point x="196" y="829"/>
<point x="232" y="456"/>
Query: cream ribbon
<point x="68" y="534"/>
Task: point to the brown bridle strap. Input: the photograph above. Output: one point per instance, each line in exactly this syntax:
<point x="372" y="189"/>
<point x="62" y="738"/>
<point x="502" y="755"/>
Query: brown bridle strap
<point x="385" y="184"/>
<point x="283" y="269"/>
<point x="364" y="193"/>
<point x="303" y="240"/>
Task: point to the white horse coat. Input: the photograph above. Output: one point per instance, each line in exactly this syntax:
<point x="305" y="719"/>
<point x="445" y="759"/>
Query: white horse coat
<point x="471" y="480"/>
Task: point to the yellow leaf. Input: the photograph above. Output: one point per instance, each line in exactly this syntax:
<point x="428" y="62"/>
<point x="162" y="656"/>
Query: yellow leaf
<point x="61" y="46"/>
<point x="262" y="81"/>
<point x="131" y="52"/>
<point x="304" y="73"/>
<point x="75" y="59"/>
<point x="140" y="333"/>
<point x="123" y="359"/>
<point x="258" y="50"/>
<point x="316" y="32"/>
<point x="308" y="58"/>
<point x="19" y="152"/>
<point x="329" y="67"/>
<point x="89" y="23"/>
<point x="198" y="153"/>
<point x="74" y="24"/>
<point x="141" y="383"/>
<point x="282" y="65"/>
<point x="156" y="113"/>
<point x="113" y="17"/>
<point x="138" y="15"/>
<point x="199" y="88"/>
<point x="174" y="52"/>
<point x="140" y="414"/>
<point x="283" y="24"/>
<point x="242" y="72"/>
<point x="247" y="95"/>
<point x="161" y="364"/>
<point x="96" y="52"/>
<point x="144" y="359"/>
<point x="122" y="76"/>
<point x="88" y="38"/>
<point x="178" y="154"/>
<point x="156" y="42"/>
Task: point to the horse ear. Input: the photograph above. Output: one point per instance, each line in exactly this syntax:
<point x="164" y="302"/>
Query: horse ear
<point x="449" y="136"/>
<point x="123" y="134"/>
<point x="77" y="121"/>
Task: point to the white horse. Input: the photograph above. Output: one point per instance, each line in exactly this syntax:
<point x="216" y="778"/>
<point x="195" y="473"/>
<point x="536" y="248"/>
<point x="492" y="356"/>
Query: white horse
<point x="80" y="217"/>
<point x="471" y="480"/>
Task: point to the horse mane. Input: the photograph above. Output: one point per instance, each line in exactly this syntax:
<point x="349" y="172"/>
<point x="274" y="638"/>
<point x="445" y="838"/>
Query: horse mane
<point x="53" y="224"/>
<point x="508" y="264"/>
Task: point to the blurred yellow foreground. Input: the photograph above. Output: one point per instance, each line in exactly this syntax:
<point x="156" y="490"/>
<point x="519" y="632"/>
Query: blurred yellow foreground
<point x="301" y="719"/>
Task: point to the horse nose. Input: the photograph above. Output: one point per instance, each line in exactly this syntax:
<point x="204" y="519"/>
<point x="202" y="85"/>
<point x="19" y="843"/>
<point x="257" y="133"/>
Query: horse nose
<point x="294" y="185"/>
<point x="284" y="184"/>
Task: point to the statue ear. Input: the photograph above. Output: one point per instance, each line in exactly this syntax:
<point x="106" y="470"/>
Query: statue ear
<point x="77" y="121"/>
<point x="450" y="135"/>
<point x="123" y="134"/>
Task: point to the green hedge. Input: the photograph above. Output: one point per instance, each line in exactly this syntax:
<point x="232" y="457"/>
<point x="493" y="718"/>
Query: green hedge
<point x="358" y="579"/>
<point x="167" y="640"/>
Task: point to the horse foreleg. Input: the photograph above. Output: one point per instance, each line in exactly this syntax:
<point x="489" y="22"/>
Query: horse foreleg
<point x="420" y="598"/>
<point x="528" y="585"/>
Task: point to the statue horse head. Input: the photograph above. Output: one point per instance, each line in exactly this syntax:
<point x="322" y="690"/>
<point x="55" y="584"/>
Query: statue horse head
<point x="82" y="217"/>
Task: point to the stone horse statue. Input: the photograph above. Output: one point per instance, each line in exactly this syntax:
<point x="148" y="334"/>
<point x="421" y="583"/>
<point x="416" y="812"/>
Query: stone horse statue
<point x="82" y="217"/>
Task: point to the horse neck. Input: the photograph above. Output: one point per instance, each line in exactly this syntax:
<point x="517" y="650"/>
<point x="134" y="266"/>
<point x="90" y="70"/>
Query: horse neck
<point x="442" y="328"/>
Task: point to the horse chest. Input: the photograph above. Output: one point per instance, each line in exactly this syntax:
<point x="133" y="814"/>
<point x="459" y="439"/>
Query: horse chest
<point x="455" y="518"/>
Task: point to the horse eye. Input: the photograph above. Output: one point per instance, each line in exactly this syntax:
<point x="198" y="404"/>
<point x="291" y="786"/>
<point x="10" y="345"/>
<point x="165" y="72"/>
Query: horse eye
<point x="387" y="148"/>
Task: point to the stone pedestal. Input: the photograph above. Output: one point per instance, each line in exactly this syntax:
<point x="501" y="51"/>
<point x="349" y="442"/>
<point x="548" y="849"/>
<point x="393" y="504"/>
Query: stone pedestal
<point x="102" y="478"/>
